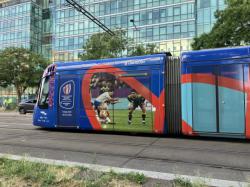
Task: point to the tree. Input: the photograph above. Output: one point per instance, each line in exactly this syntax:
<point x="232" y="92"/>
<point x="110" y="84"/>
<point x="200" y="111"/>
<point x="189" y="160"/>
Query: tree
<point x="232" y="27"/>
<point x="102" y="45"/>
<point x="20" y="67"/>
<point x="139" y="50"/>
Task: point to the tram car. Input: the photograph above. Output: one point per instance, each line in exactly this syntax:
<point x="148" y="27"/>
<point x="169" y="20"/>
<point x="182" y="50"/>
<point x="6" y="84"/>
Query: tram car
<point x="202" y="93"/>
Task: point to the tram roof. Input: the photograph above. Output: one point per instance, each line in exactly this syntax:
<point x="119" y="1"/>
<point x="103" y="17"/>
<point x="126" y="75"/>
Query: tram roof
<point x="215" y="54"/>
<point x="126" y="61"/>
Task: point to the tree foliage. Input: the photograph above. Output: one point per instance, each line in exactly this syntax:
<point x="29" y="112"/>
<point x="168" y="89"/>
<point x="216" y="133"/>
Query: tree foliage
<point x="20" y="67"/>
<point x="232" y="27"/>
<point x="102" y="45"/>
<point x="139" y="50"/>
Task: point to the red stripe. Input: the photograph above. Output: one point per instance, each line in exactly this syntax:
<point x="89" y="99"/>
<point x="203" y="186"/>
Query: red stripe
<point x="159" y="114"/>
<point x="186" y="78"/>
<point x="133" y="83"/>
<point x="210" y="79"/>
<point x="199" y="78"/>
<point x="187" y="129"/>
<point x="231" y="83"/>
<point x="86" y="98"/>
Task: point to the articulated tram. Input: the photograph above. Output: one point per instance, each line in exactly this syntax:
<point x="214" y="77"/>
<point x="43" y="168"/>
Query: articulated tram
<point x="202" y="93"/>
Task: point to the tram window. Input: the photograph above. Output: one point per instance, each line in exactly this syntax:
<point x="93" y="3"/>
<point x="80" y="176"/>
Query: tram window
<point x="44" y="93"/>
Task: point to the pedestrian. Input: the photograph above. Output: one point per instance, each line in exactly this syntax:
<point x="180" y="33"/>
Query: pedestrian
<point x="4" y="104"/>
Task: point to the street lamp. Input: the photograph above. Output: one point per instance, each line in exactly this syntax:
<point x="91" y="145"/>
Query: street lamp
<point x="133" y="21"/>
<point x="136" y="29"/>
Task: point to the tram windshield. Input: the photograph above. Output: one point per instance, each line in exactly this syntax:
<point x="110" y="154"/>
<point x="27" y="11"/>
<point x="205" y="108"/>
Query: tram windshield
<point x="43" y="95"/>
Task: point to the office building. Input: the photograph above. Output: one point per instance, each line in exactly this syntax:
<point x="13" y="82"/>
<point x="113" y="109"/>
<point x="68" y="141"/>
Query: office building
<point x="58" y="31"/>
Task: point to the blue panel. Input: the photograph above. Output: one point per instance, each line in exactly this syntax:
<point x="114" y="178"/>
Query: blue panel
<point x="117" y="62"/>
<point x="128" y="64"/>
<point x="204" y="107"/>
<point x="156" y="82"/>
<point x="203" y="66"/>
<point x="67" y="105"/>
<point x="233" y="71"/>
<point x="215" y="54"/>
<point x="186" y="98"/>
<point x="231" y="110"/>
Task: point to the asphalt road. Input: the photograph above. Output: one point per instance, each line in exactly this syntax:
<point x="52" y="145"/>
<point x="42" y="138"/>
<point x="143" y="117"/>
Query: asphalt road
<point x="227" y="159"/>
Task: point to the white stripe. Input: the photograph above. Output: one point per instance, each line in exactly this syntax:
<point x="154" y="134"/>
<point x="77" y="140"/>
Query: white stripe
<point x="149" y="174"/>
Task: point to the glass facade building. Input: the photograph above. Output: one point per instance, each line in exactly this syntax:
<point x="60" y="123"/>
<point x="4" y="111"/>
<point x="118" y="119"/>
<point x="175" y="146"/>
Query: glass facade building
<point x="21" y="25"/>
<point x="205" y="18"/>
<point x="170" y="24"/>
<point x="56" y="30"/>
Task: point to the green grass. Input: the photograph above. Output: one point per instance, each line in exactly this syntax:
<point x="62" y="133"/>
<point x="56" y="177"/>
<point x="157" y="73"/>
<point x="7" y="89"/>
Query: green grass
<point x="181" y="182"/>
<point x="25" y="173"/>
<point x="120" y="119"/>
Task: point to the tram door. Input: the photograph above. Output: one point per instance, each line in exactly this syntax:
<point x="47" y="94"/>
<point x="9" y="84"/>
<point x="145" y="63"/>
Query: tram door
<point x="204" y="100"/>
<point x="218" y="99"/>
<point x="67" y="101"/>
<point x="231" y="99"/>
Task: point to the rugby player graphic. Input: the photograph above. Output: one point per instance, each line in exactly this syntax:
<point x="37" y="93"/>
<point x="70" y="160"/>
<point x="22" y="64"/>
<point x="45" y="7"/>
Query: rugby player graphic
<point x="136" y="100"/>
<point x="101" y="106"/>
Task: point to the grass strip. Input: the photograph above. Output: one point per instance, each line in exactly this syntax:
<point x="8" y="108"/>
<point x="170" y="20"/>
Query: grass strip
<point x="26" y="173"/>
<point x="181" y="182"/>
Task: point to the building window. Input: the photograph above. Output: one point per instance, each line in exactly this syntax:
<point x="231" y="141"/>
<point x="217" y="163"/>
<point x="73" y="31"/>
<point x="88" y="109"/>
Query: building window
<point x="205" y="3"/>
<point x="156" y="16"/>
<point x="163" y="33"/>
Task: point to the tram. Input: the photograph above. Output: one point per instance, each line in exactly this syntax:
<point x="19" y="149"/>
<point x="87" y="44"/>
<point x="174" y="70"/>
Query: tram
<point x="202" y="93"/>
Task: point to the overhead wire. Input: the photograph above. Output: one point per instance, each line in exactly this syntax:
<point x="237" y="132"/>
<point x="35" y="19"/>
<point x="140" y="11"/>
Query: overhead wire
<point x="80" y="8"/>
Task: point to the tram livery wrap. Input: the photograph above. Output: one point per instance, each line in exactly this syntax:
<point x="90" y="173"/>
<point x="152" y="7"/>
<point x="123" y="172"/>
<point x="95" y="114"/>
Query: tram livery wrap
<point x="204" y="93"/>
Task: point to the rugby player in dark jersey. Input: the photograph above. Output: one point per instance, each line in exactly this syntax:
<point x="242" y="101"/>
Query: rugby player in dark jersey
<point x="136" y="100"/>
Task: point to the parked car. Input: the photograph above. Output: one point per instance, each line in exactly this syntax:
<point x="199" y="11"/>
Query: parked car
<point x="26" y="106"/>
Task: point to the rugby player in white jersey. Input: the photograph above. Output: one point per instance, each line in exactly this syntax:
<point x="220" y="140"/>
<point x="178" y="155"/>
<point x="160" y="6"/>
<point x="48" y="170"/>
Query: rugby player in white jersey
<point x="101" y="105"/>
